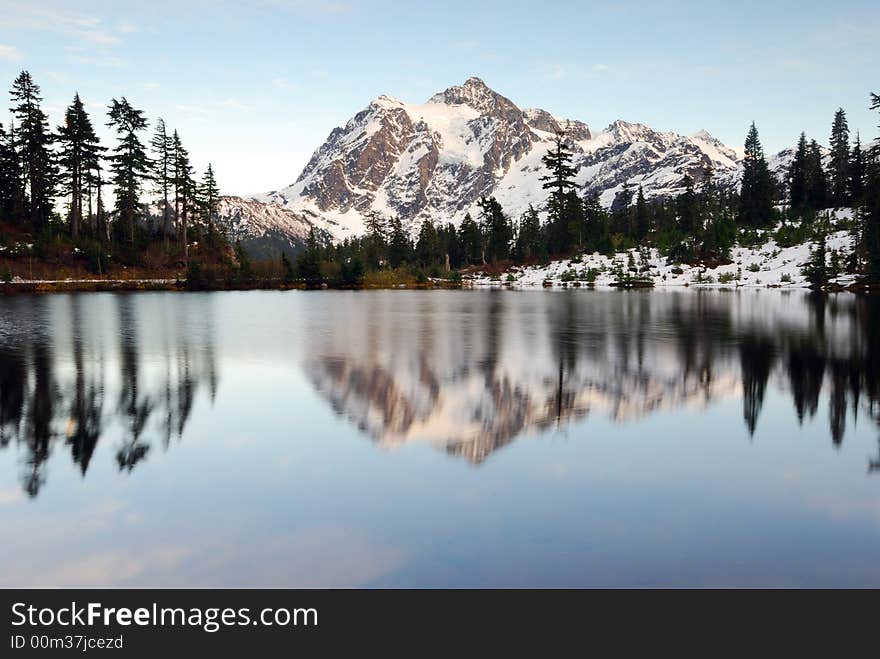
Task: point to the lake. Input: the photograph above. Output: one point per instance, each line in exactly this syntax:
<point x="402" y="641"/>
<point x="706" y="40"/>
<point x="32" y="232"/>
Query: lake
<point x="440" y="438"/>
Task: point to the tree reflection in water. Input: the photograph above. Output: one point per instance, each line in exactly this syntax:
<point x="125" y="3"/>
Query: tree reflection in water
<point x="54" y="392"/>
<point x="473" y="378"/>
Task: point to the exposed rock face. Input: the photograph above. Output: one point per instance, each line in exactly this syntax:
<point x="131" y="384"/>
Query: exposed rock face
<point x="436" y="159"/>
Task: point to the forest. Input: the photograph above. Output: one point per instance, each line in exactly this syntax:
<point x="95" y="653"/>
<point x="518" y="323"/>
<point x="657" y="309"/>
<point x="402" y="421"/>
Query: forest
<point x="700" y="225"/>
<point x="55" y="221"/>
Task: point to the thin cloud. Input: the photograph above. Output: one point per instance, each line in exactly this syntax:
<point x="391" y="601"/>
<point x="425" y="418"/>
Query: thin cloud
<point x="234" y="104"/>
<point x="284" y="83"/>
<point x="10" y="53"/>
<point x="82" y="27"/>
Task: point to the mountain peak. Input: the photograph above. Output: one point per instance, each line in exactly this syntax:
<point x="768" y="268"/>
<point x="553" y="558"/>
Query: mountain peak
<point x="474" y="93"/>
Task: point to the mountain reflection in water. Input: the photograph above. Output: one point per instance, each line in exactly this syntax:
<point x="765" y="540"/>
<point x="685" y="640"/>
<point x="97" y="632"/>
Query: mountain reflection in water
<point x="474" y="378"/>
<point x="469" y="372"/>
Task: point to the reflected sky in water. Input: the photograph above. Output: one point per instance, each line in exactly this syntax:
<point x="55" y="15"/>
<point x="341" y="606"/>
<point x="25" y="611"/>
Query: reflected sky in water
<point x="440" y="438"/>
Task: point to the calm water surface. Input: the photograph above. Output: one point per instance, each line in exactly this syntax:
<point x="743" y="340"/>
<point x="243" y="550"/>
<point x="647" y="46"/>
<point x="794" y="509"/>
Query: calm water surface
<point x="428" y="438"/>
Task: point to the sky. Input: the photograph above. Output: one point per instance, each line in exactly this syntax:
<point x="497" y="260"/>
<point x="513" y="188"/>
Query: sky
<point x="255" y="87"/>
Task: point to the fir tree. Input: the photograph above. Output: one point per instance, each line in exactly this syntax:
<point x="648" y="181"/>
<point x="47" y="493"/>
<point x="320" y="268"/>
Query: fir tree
<point x="33" y="141"/>
<point x="79" y="151"/>
<point x="376" y="240"/>
<point x="129" y="163"/>
<point x="210" y="194"/>
<point x="288" y="274"/>
<point x="817" y="183"/>
<point x="839" y="175"/>
<point x="399" y="246"/>
<point x="688" y="209"/>
<point x="496" y="228"/>
<point x="471" y="240"/>
<point x="756" y="190"/>
<point x="857" y="172"/>
<point x="428" y="250"/>
<point x="162" y="147"/>
<point x="797" y="177"/>
<point x="308" y="264"/>
<point x="12" y="203"/>
<point x="529" y="239"/>
<point x="560" y="182"/>
<point x="643" y="217"/>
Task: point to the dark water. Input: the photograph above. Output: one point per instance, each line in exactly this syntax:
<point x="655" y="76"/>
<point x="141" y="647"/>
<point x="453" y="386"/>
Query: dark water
<point x="440" y="438"/>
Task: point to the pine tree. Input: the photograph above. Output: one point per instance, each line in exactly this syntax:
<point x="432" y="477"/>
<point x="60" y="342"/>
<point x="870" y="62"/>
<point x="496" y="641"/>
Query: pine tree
<point x="871" y="233"/>
<point x="839" y="163"/>
<point x="79" y="151"/>
<point x="560" y="182"/>
<point x="12" y="205"/>
<point x="688" y="209"/>
<point x="529" y="239"/>
<point x="797" y="178"/>
<point x="428" y="251"/>
<point x="756" y="190"/>
<point x="129" y="163"/>
<point x="185" y="191"/>
<point x="162" y="147"/>
<point x="857" y="173"/>
<point x="643" y="217"/>
<point x="817" y="183"/>
<point x="308" y="263"/>
<point x="496" y="228"/>
<point x="33" y="142"/>
<point x="399" y="246"/>
<point x="210" y="194"/>
<point x="471" y="239"/>
<point x="375" y="239"/>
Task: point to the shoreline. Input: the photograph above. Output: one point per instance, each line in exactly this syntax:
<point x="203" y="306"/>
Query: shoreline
<point x="45" y="286"/>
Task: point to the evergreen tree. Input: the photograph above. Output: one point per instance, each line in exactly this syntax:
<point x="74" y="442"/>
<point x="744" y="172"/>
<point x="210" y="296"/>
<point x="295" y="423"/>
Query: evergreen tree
<point x="471" y="239"/>
<point x="210" y="195"/>
<point x="560" y="182"/>
<point x="308" y="264"/>
<point x="79" y="151"/>
<point x="857" y="172"/>
<point x="817" y="183"/>
<point x="129" y="163"/>
<point x="688" y="209"/>
<point x="288" y="274"/>
<point x="399" y="246"/>
<point x="162" y="147"/>
<point x="816" y="271"/>
<point x="839" y="175"/>
<point x="33" y="142"/>
<point x="529" y="239"/>
<point x="12" y="203"/>
<point x="797" y="177"/>
<point x="185" y="192"/>
<point x="871" y="233"/>
<point x="428" y="249"/>
<point x="376" y="241"/>
<point x="496" y="228"/>
<point x="596" y="234"/>
<point x="756" y="190"/>
<point x="643" y="217"/>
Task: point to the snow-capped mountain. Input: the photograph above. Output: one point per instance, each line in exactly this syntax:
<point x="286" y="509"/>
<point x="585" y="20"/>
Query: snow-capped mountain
<point x="436" y="159"/>
<point x="265" y="230"/>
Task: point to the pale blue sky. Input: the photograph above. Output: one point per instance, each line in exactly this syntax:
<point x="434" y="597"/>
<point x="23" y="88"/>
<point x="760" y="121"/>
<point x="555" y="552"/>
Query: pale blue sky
<point x="256" y="86"/>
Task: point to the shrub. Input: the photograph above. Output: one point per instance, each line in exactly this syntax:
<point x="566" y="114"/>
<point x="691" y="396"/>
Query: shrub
<point x="726" y="278"/>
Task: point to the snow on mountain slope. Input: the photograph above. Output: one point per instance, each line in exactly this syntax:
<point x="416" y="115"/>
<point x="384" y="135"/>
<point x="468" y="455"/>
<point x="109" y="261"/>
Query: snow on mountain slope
<point x="436" y="159"/>
<point x="264" y="230"/>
